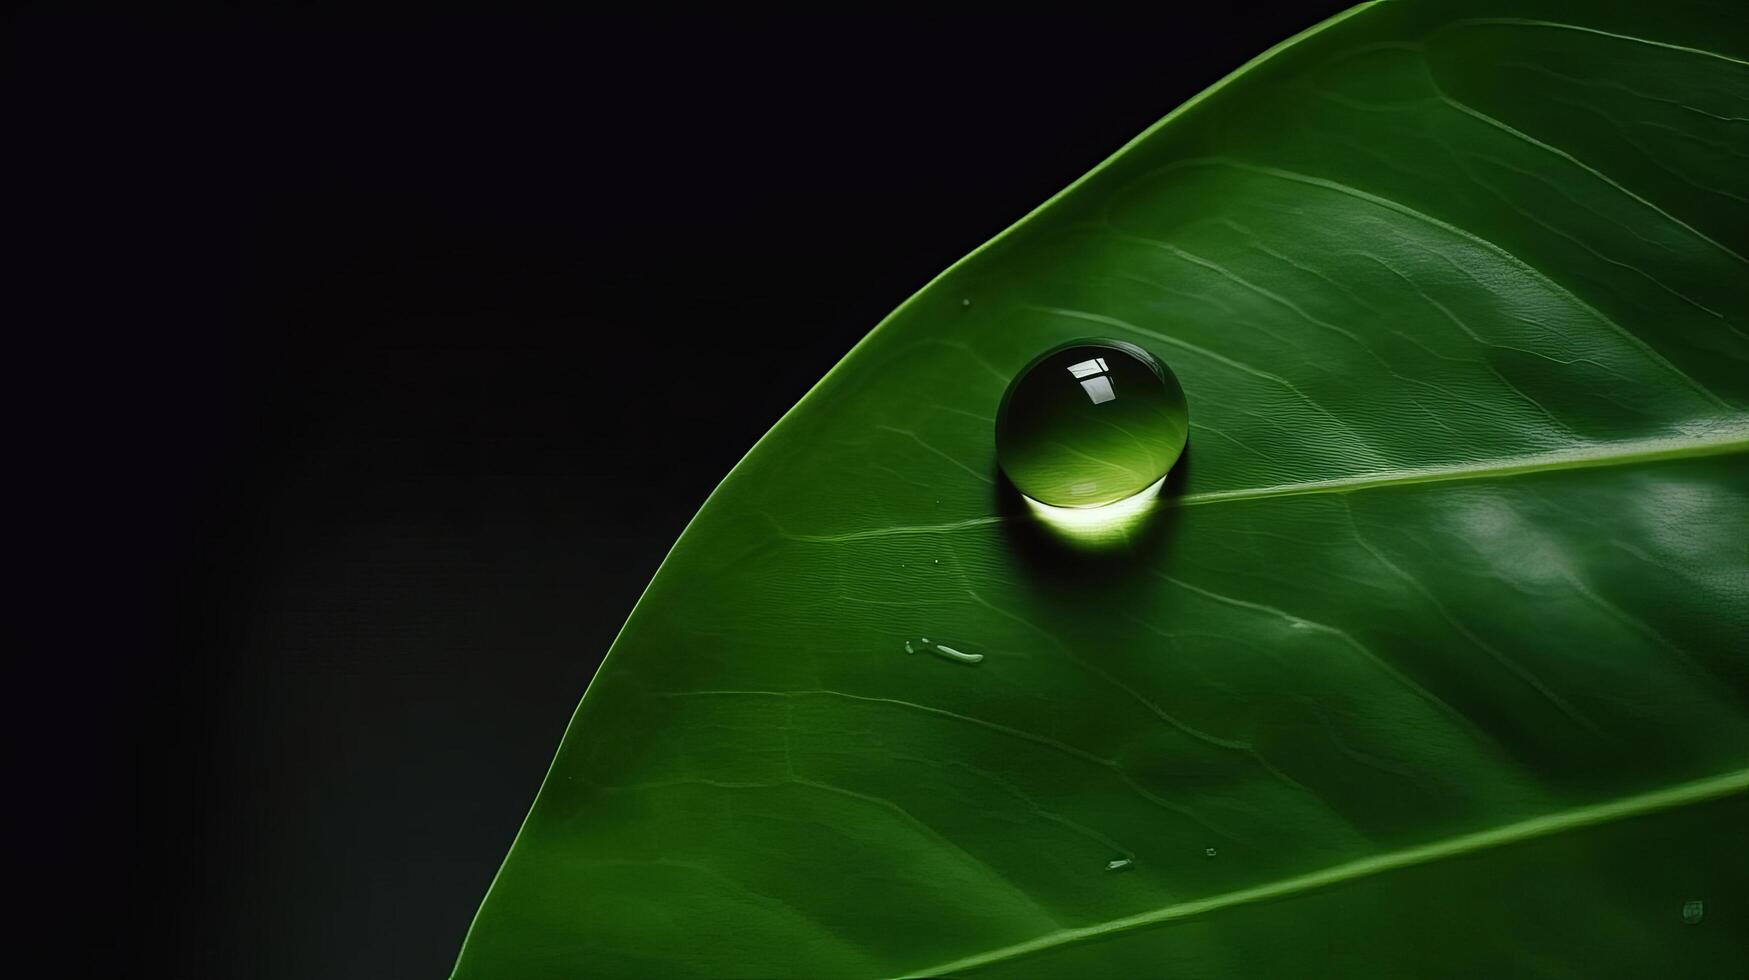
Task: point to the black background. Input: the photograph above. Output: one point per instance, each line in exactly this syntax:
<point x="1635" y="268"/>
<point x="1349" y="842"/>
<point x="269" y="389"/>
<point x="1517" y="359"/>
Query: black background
<point x="381" y="362"/>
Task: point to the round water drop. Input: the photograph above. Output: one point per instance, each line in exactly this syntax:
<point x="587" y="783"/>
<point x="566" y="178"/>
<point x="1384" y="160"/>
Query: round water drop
<point x="1091" y="423"/>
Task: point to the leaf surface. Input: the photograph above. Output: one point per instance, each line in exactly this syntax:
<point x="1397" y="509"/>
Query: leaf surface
<point x="1433" y="659"/>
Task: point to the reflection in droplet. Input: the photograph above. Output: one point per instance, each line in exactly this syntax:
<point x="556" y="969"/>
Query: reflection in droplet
<point x="1090" y="424"/>
<point x="1097" y="525"/>
<point x="1209" y="852"/>
<point x="926" y="645"/>
<point x="1693" y="911"/>
<point x="1119" y="864"/>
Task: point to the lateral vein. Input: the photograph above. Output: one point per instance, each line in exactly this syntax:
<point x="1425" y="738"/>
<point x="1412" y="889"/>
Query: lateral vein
<point x="1699" y="791"/>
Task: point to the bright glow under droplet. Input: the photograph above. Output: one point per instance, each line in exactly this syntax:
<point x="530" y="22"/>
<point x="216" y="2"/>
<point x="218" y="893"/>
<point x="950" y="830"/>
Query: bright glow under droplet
<point x="1098" y="526"/>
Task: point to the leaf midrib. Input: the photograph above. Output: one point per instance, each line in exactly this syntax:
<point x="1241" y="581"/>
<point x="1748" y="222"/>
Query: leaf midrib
<point x="1731" y="437"/>
<point x="1684" y="794"/>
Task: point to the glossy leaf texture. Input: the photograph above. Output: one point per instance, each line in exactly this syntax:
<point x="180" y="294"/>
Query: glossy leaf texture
<point x="1434" y="660"/>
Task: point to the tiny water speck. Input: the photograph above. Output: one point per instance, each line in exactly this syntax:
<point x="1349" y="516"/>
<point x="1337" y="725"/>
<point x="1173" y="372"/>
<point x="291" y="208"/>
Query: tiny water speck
<point x="1119" y="864"/>
<point x="926" y="645"/>
<point x="1209" y="852"/>
<point x="1693" y="911"/>
<point x="964" y="303"/>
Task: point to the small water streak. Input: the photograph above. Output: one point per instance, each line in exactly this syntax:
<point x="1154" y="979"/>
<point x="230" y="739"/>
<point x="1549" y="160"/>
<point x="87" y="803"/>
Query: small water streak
<point x="926" y="645"/>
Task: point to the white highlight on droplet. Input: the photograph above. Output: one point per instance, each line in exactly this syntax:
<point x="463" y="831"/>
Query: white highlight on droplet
<point x="1091" y="374"/>
<point x="1088" y="368"/>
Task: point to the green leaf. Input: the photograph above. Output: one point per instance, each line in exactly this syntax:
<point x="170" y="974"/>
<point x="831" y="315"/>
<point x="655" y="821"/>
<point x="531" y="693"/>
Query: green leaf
<point x="1433" y="660"/>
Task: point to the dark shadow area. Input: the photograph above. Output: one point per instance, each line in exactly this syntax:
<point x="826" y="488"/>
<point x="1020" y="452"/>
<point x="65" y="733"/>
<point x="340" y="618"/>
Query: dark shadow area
<point x="379" y="361"/>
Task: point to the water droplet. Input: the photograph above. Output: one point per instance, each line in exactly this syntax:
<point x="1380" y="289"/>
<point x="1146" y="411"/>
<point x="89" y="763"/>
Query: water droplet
<point x="926" y="645"/>
<point x="1091" y="423"/>
<point x="1693" y="911"/>
<point x="965" y="303"/>
<point x="1119" y="864"/>
<point x="1209" y="852"/>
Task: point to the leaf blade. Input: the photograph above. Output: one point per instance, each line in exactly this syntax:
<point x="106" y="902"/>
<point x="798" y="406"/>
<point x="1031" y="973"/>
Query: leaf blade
<point x="1476" y="434"/>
